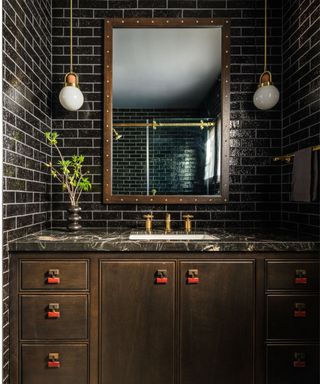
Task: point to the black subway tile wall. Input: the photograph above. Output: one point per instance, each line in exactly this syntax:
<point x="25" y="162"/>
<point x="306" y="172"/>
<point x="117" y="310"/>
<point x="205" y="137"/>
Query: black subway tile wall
<point x="26" y="115"/>
<point x="36" y="58"/>
<point x="301" y="102"/>
<point x="255" y="189"/>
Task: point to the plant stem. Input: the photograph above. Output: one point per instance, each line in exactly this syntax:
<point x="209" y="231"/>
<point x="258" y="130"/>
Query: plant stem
<point x="78" y="183"/>
<point x="67" y="184"/>
<point x="58" y="174"/>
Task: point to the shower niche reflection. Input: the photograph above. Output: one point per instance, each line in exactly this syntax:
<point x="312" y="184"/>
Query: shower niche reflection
<point x="166" y="111"/>
<point x="156" y="159"/>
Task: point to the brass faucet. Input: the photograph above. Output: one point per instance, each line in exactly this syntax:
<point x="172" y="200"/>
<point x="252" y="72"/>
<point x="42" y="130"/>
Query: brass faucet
<point x="187" y="223"/>
<point x="168" y="223"/>
<point x="148" y="222"/>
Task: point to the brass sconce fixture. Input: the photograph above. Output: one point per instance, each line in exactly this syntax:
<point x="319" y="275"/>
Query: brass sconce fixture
<point x="267" y="95"/>
<point x="70" y="97"/>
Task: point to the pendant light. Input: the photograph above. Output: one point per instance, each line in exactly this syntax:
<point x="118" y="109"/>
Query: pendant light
<point x="267" y="95"/>
<point x="70" y="97"/>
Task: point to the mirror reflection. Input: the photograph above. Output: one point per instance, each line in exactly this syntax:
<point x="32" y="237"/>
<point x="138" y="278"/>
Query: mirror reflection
<point x="164" y="160"/>
<point x="166" y="111"/>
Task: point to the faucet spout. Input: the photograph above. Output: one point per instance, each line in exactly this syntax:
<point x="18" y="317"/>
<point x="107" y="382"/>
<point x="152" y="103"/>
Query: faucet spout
<point x="187" y="223"/>
<point x="148" y="222"/>
<point x="168" y="223"/>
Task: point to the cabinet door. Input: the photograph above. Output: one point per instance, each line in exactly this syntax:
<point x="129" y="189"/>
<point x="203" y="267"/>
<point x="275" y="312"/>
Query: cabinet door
<point x="137" y="322"/>
<point x="217" y="322"/>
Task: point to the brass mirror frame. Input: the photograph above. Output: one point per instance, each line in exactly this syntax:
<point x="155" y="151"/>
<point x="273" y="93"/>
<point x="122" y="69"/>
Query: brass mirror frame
<point x="111" y="23"/>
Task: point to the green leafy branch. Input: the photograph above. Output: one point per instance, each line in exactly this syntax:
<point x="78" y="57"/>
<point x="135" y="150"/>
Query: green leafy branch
<point x="69" y="172"/>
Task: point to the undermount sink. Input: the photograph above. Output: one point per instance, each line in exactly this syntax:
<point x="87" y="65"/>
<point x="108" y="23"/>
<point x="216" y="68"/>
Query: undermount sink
<point x="171" y="236"/>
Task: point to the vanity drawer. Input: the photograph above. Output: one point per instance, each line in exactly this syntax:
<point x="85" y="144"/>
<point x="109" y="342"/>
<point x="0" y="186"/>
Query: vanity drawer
<point x="54" y="317"/>
<point x="293" y="275"/>
<point x="54" y="275"/>
<point x="293" y="364"/>
<point x="71" y="364"/>
<point x="293" y="317"/>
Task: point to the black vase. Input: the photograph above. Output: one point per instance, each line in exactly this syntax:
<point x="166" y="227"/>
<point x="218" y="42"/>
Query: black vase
<point x="74" y="218"/>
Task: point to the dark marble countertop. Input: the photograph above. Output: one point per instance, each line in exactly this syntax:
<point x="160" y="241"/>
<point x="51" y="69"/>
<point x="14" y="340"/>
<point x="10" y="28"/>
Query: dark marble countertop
<point x="115" y="240"/>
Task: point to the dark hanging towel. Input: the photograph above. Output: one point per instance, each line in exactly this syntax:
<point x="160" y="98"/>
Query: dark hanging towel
<point x="301" y="175"/>
<point x="305" y="175"/>
<point x="315" y="175"/>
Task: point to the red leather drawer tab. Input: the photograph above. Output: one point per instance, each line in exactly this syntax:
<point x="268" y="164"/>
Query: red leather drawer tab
<point x="299" y="364"/>
<point x="53" y="280"/>
<point x="300" y="314"/>
<point x="53" y="364"/>
<point x="53" y="315"/>
<point x="193" y="280"/>
<point x="161" y="280"/>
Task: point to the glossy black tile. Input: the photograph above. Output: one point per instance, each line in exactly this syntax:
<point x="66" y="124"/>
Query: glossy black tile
<point x="301" y="112"/>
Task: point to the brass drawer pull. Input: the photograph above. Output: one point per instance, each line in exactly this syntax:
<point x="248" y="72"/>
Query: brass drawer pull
<point x="53" y="276"/>
<point x="53" y="311"/>
<point x="161" y="276"/>
<point x="299" y="310"/>
<point x="299" y="360"/>
<point x="301" y="277"/>
<point x="53" y="360"/>
<point x="193" y="276"/>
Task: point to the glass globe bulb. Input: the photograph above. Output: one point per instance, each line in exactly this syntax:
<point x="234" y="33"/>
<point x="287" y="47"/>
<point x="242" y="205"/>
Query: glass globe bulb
<point x="266" y="97"/>
<point x="71" y="98"/>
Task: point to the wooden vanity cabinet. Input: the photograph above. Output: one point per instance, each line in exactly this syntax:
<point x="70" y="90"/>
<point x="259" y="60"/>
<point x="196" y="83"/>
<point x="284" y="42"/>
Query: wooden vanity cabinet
<point x="292" y="321"/>
<point x="180" y="318"/>
<point x="50" y="319"/>
<point x="214" y="308"/>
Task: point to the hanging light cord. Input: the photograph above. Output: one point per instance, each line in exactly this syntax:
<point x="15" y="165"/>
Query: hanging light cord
<point x="265" y="35"/>
<point x="71" y="50"/>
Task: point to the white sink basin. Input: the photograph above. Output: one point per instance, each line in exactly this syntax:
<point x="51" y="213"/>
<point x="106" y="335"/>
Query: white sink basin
<point x="171" y="236"/>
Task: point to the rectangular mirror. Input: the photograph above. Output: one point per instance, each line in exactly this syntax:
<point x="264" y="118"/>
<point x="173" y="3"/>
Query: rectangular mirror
<point x="166" y="106"/>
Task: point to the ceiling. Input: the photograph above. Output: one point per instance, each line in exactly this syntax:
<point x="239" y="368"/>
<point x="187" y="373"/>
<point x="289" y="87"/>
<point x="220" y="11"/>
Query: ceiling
<point x="164" y="67"/>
